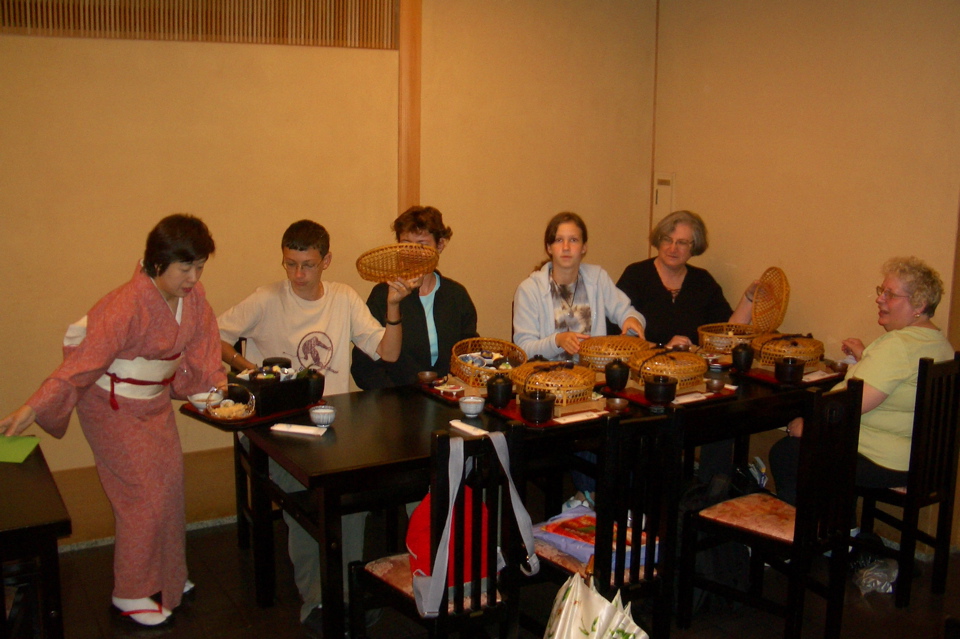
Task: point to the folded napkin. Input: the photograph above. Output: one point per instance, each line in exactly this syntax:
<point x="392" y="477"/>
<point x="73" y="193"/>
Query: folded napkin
<point x="579" y="417"/>
<point x="299" y="429"/>
<point x="15" y="449"/>
<point x="689" y="397"/>
<point x="817" y="375"/>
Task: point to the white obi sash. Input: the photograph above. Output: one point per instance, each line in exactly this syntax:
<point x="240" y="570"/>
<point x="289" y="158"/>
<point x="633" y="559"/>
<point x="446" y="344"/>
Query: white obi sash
<point x="137" y="378"/>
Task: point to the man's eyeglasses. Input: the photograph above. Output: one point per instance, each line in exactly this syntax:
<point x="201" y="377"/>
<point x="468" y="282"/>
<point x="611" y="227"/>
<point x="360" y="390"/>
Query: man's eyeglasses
<point x="887" y="294"/>
<point x="306" y="267"/>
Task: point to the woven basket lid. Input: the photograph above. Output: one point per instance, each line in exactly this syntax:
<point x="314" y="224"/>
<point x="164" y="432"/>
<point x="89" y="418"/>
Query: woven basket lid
<point x="770" y="347"/>
<point x="770" y="300"/>
<point x="687" y="367"/>
<point x="597" y="352"/>
<point x="397" y="262"/>
<point x="557" y="377"/>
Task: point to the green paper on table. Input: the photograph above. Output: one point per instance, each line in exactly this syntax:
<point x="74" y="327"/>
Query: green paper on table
<point x="15" y="449"/>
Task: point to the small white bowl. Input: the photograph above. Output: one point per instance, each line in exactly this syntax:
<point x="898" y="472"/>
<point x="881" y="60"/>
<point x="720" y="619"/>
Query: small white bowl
<point x="471" y="406"/>
<point x="207" y="398"/>
<point x="323" y="415"/>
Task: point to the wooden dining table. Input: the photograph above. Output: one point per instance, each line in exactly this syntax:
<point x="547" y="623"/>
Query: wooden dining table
<point x="32" y="518"/>
<point x="376" y="455"/>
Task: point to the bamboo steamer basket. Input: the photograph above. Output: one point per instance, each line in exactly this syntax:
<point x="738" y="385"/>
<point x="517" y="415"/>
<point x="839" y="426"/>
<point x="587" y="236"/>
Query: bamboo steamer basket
<point x="597" y="352"/>
<point x="772" y="347"/>
<point x="571" y="384"/>
<point x="687" y="368"/>
<point x="403" y="261"/>
<point x="723" y="337"/>
<point x="770" y="302"/>
<point x="477" y="376"/>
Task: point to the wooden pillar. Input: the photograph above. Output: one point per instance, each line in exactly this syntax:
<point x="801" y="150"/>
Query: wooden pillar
<point x="409" y="105"/>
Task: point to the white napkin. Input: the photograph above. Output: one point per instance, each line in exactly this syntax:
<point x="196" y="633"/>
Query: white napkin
<point x="299" y="429"/>
<point x="579" y="417"/>
<point x="815" y="375"/>
<point x="467" y="428"/>
<point x="689" y="397"/>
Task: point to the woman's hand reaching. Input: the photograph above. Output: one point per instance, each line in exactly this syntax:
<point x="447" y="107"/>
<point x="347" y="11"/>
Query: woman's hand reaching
<point x="679" y="340"/>
<point x="852" y="346"/>
<point x="570" y="341"/>
<point x="17" y="421"/>
<point x="633" y="324"/>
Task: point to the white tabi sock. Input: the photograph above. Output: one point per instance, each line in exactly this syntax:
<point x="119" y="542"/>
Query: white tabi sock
<point x="150" y="612"/>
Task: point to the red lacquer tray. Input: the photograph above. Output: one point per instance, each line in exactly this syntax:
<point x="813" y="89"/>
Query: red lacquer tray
<point x="512" y="411"/>
<point x="636" y="396"/>
<point x="767" y="377"/>
<point x="242" y="424"/>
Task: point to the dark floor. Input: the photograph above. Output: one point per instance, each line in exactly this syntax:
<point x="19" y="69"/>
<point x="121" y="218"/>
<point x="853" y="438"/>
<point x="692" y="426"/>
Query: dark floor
<point x="224" y="604"/>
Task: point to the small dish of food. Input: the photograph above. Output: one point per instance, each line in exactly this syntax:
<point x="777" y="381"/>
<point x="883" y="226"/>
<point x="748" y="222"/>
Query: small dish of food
<point x="207" y="398"/>
<point x="238" y="404"/>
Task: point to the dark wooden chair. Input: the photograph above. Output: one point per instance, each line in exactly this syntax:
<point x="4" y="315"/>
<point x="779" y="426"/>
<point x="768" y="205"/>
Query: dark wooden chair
<point x="472" y="602"/>
<point x="788" y="538"/>
<point x="637" y="496"/>
<point x="931" y="479"/>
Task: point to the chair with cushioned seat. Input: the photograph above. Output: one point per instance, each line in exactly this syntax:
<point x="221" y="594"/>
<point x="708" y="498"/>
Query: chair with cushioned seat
<point x="472" y="601"/>
<point x="789" y="539"/>
<point x="931" y="478"/>
<point x="638" y="485"/>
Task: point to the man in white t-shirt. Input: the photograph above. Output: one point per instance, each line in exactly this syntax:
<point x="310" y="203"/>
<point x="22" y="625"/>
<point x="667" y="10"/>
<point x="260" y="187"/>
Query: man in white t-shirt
<point x="314" y="324"/>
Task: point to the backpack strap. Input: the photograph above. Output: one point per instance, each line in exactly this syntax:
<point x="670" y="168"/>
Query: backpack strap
<point x="524" y="522"/>
<point x="428" y="589"/>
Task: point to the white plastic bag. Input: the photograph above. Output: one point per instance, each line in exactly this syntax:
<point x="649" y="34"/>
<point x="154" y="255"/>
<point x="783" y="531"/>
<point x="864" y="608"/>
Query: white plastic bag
<point x="580" y="612"/>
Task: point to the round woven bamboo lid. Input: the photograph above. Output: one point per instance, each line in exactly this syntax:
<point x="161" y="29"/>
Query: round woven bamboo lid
<point x="569" y="382"/>
<point x="770" y="300"/>
<point x="686" y="367"/>
<point x="722" y="337"/>
<point x="771" y="347"/>
<point x="597" y="352"/>
<point x="402" y="261"/>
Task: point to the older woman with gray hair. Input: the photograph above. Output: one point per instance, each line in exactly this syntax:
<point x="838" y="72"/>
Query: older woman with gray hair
<point x="674" y="296"/>
<point x="906" y="302"/>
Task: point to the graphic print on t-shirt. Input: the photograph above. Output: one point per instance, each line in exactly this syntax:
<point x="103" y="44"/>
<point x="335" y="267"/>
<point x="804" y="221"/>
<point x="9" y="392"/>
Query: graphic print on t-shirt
<point x="315" y="351"/>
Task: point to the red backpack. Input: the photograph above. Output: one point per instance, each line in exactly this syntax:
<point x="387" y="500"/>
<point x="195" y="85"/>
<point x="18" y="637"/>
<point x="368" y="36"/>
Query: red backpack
<point x="418" y="541"/>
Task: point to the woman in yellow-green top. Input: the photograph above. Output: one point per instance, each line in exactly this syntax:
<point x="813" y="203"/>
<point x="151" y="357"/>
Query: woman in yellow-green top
<point x="906" y="302"/>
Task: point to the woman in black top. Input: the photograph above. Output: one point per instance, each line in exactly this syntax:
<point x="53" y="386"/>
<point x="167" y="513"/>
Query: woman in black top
<point x="675" y="297"/>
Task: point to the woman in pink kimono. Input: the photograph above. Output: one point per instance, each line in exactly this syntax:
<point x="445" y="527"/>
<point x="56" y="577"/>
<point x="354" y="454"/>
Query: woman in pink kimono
<point x="153" y="338"/>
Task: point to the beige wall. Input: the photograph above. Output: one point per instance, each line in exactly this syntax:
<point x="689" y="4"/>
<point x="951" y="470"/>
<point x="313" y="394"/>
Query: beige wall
<point x="100" y="139"/>
<point x="529" y="109"/>
<point x="819" y="136"/>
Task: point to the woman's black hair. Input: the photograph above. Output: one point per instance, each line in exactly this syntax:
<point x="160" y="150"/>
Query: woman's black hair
<point x="176" y="238"/>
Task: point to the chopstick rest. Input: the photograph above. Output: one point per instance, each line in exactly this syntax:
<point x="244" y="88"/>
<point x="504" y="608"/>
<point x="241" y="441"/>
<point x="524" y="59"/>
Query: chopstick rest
<point x="299" y="429"/>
